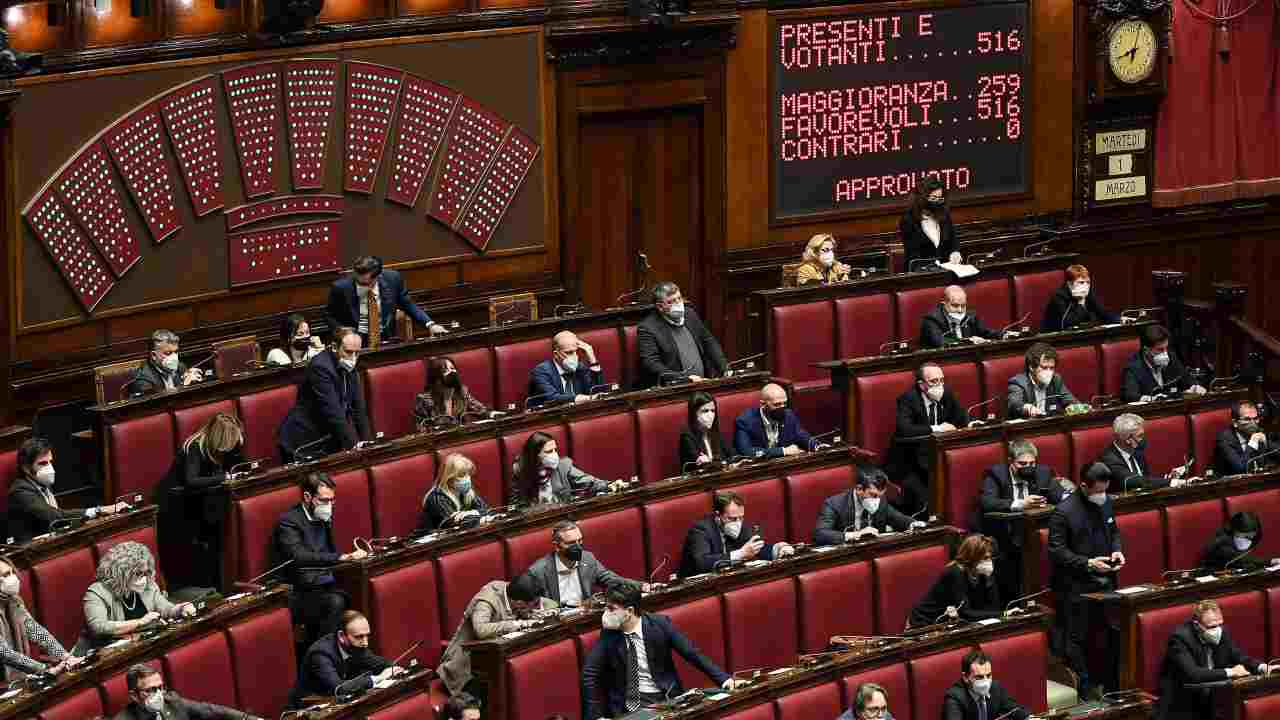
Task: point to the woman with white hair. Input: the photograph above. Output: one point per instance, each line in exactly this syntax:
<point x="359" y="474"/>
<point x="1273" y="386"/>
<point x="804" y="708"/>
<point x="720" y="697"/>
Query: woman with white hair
<point x="819" y="262"/>
<point x="125" y="598"/>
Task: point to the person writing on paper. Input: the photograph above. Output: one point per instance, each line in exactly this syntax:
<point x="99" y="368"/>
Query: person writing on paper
<point x="1200" y="650"/>
<point x="818" y="263"/>
<point x="721" y="538"/>
<point x="1242" y="443"/>
<point x="927" y="408"/>
<point x="926" y="228"/>
<point x="1126" y="458"/>
<point x="162" y="370"/>
<point x="33" y="507"/>
<point x="951" y="321"/>
<point x="1024" y="484"/>
<point x="771" y="430"/>
<point x="149" y="700"/>
<point x="297" y="344"/>
<point x="341" y="661"/>
<point x="673" y="342"/>
<point x="573" y="374"/>
<point x="1075" y="304"/>
<point x="631" y="665"/>
<point x="966" y="589"/>
<point x="700" y="442"/>
<point x="860" y="512"/>
<point x="1155" y="370"/>
<point x="453" y="500"/>
<point x="540" y="476"/>
<point x="1038" y="390"/>
<point x="1234" y="545"/>
<point x="19" y="632"/>
<point x="446" y="397"/>
<point x="870" y="702"/>
<point x="1085" y="554"/>
<point x="125" y="598"/>
<point x="570" y="573"/>
<point x="977" y="695"/>
<point x="498" y="608"/>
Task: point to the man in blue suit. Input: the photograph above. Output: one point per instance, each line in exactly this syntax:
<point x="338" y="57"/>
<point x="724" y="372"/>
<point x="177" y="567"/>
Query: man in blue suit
<point x="349" y="304"/>
<point x="770" y="430"/>
<point x="570" y="374"/>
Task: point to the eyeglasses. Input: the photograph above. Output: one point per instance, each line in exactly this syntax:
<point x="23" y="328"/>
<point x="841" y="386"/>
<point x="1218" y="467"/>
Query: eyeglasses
<point x="147" y="692"/>
<point x="935" y="382"/>
<point x="875" y="712"/>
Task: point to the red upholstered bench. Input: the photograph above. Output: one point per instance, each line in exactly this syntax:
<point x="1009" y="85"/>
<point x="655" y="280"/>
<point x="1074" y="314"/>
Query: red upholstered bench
<point x="8" y="471"/>
<point x="1114" y="356"/>
<point x="186" y="421"/>
<point x="703" y="622"/>
<point x="1169" y="443"/>
<point x="819" y="701"/>
<point x="931" y="675"/>
<point x="766" y="506"/>
<point x="805" y="494"/>
<point x="613" y="538"/>
<point x="1267" y="506"/>
<point x="58" y="584"/>
<point x="1031" y="293"/>
<point x="202" y="669"/>
<point x="1154" y="629"/>
<point x="1143" y="538"/>
<point x="760" y="625"/>
<point x="414" y="707"/>
<point x="356" y="507"/>
<point x="398" y="488"/>
<point x="667" y="522"/>
<point x="1087" y="445"/>
<point x="607" y="343"/>
<point x="476" y="368"/>
<point x="460" y="576"/>
<point x="404" y="608"/>
<point x="1188" y="529"/>
<point x="1247" y="612"/>
<point x="140" y="453"/>
<point x="605" y="446"/>
<point x="658" y="430"/>
<point x="1055" y="452"/>
<point x="801" y="335"/>
<point x="1266" y="707"/>
<point x="876" y="397"/>
<point x="995" y="378"/>
<point x="488" y="479"/>
<point x="1205" y="427"/>
<point x="991" y="300"/>
<point x="86" y="703"/>
<point x="893" y="679"/>
<point x="862" y="324"/>
<point x="1021" y="662"/>
<point x="912" y="306"/>
<point x="730" y="406"/>
<point x="513" y="444"/>
<point x="901" y="580"/>
<point x="962" y="380"/>
<point x="262" y="413"/>
<point x="512" y="364"/>
<point x="1079" y="369"/>
<point x="965" y="468"/>
<point x="759" y="712"/>
<point x="264" y="662"/>
<point x="390" y="393"/>
<point x="253" y="520"/>
<point x="544" y="681"/>
<point x="825" y="609"/>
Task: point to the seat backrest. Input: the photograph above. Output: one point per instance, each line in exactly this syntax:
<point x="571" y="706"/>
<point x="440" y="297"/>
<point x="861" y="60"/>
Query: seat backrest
<point x="800" y="335"/>
<point x="460" y="576"/>
<point x="1031" y="293"/>
<point x="965" y="467"/>
<point x="398" y="488"/>
<point x="863" y="323"/>
<point x="254" y="521"/>
<point x="995" y="377"/>
<point x="1022" y="661"/>
<point x="1248" y="614"/>
<point x="605" y="446"/>
<point x="612" y="538"/>
<point x="1079" y="369"/>
<point x="1170" y="443"/>
<point x="1054" y="451"/>
<point x="1114" y="356"/>
<point x="760" y="625"/>
<point x="404" y="607"/>
<point x="140" y="453"/>
<point x="86" y="703"/>
<point x="931" y="675"/>
<point x="992" y="301"/>
<point x="819" y="701"/>
<point x="730" y="405"/>
<point x="110" y="380"/>
<point x="145" y="535"/>
<point x="1261" y="708"/>
<point x="1087" y="445"/>
<point x="1188" y="529"/>
<point x="414" y="707"/>
<point x="1154" y="628"/>
<point x="235" y="355"/>
<point x="703" y="622"/>
<point x="53" y="579"/>
<point x="8" y="471"/>
<point x="1271" y="596"/>
<point x="487" y="480"/>
<point x="518" y="308"/>
<point x="356" y="520"/>
<point x="893" y="678"/>
<point x="667" y="523"/>
<point x="765" y="506"/>
<point x="632" y="357"/>
<point x="876" y="397"/>
<point x="806" y="492"/>
<point x="201" y="668"/>
<point x="1266" y="504"/>
<point x="963" y="381"/>
<point x="512" y="445"/>
<point x="524" y="549"/>
<point x="543" y="681"/>
<point x="764" y="711"/>
<point x="912" y="306"/>
<point x="658" y="430"/>
<point x="264" y="661"/>
<point x="186" y="421"/>
<point x="391" y="391"/>
<point x="901" y="580"/>
<point x="512" y="363"/>
<point x="824" y="605"/>
<point x="1145" y="554"/>
<point x="607" y="342"/>
<point x="1205" y="427"/>
<point x="476" y="368"/>
<point x="115" y="693"/>
<point x="262" y="413"/>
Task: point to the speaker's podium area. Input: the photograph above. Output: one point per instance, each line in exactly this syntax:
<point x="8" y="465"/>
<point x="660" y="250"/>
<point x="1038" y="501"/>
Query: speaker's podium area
<point x="530" y="359"/>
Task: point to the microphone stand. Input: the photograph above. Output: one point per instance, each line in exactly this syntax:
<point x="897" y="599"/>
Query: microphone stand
<point x="1042" y="248"/>
<point x="990" y="415"/>
<point x="894" y="347"/>
<point x="728" y="369"/>
<point x="252" y="583"/>
<point x="299" y="454"/>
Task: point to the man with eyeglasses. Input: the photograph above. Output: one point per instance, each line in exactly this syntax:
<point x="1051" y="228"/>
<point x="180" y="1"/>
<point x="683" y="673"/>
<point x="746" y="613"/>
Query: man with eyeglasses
<point x="1242" y="443"/>
<point x="1022" y="485"/>
<point x="148" y="700"/>
<point x="924" y="410"/>
<point x="870" y="702"/>
<point x="771" y="430"/>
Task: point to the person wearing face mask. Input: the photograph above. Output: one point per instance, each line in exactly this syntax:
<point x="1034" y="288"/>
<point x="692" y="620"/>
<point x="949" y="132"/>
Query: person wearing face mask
<point x="367" y="300"/>
<point x="162" y="370"/>
<point x="966" y="589"/>
<point x="125" y="598"/>
<point x="927" y="408"/>
<point x="818" y="263"/>
<point x="926" y="229"/>
<point x="341" y="659"/>
<point x="540" y="476"/>
<point x="1022" y="485"/>
<point x="1038" y="390"/>
<point x="572" y="375"/>
<point x="304" y="536"/>
<point x="297" y="344"/>
<point x="19" y="633"/>
<point x="1155" y="370"/>
<point x="1075" y="304"/>
<point x="453" y="500"/>
<point x="570" y="573"/>
<point x="1126" y="458"/>
<point x="673" y="343"/>
<point x="870" y="702"/>
<point x="771" y="430"/>
<point x="1200" y="651"/>
<point x="32" y="505"/>
<point x="977" y="696"/>
<point x="498" y="608"/>
<point x="860" y="512"/>
<point x="1239" y="445"/>
<point x="1085" y="555"/>
<point x="446" y="397"/>
<point x="951" y="321"/>
<point x="149" y="700"/>
<point x="1234" y="545"/>
<point x="721" y="537"/>
<point x="330" y="403"/>
<point x="631" y="665"/>
<point x="701" y="442"/>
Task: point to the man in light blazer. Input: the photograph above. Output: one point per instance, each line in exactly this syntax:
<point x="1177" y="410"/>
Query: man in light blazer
<point x="369" y="280"/>
<point x="498" y="608"/>
<point x="569" y="573"/>
<point x="1038" y="390"/>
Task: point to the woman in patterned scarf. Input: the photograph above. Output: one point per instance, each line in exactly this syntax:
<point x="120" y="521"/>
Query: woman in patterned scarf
<point x="19" y="631"/>
<point x="126" y="598"/>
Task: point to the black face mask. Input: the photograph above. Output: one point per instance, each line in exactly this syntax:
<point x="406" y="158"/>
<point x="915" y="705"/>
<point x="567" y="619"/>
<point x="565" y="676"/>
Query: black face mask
<point x="301" y="343"/>
<point x="452" y="380"/>
<point x="574" y="552"/>
<point x="1027" y="474"/>
<point x="777" y="415"/>
<point x="937" y="203"/>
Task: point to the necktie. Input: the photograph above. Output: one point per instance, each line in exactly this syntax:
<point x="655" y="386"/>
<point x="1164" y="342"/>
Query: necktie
<point x="1133" y="464"/>
<point x="933" y="413"/>
<point x="568" y="383"/>
<point x="375" y="317"/>
<point x="633" y="674"/>
<point x="1019" y="490"/>
<point x="982" y="708"/>
<point x="49" y="498"/>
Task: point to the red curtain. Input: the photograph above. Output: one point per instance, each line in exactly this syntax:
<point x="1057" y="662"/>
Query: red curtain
<point x="1216" y="137"/>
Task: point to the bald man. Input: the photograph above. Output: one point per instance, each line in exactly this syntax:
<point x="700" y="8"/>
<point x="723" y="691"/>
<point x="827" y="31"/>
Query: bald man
<point x="952" y="322"/>
<point x="570" y="375"/>
<point x="770" y="430"/>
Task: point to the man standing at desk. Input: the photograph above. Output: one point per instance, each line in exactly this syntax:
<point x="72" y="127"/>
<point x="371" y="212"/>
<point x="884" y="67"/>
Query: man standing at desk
<point x="673" y="343"/>
<point x="368" y="300"/>
<point x="923" y="410"/>
<point x="329" y="416"/>
<point x="1200" y="651"/>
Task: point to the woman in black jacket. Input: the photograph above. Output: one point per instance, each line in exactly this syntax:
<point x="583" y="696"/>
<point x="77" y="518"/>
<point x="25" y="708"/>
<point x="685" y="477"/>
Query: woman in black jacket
<point x="1234" y="544"/>
<point x="926" y="228"/>
<point x="965" y="590"/>
<point x="452" y="502"/>
<point x="1075" y="304"/>
<point x="700" y="441"/>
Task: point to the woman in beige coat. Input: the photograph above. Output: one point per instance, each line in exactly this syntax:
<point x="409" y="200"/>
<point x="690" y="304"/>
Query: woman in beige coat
<point x="125" y="598"/>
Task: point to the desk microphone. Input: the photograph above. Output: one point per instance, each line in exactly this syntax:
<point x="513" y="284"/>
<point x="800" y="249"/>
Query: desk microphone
<point x="1219" y="384"/>
<point x="1018" y="601"/>
<point x="246" y="467"/>
<point x="894" y="347"/>
<point x="546" y="403"/>
<point x="978" y="258"/>
<point x="1255" y="459"/>
<point x="1162" y="388"/>
<point x="915" y="265"/>
<point x="1237" y="557"/>
<point x="570" y="309"/>
<point x="748" y="360"/>
<point x="1016" y="323"/>
<point x="990" y="415"/>
<point x="1181" y="575"/>
<point x="1130" y="477"/>
<point x="1041" y="247"/>
<point x="498" y="320"/>
<point x="252" y="583"/>
<point x="813" y="441"/>
<point x="652" y="575"/>
<point x="628" y="297"/>
<point x="1136" y="314"/>
<point x="299" y="457"/>
<point x="958" y="607"/>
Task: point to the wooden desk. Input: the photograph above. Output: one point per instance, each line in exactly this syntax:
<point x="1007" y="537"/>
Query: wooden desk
<point x="375" y="699"/>
<point x="43" y="547"/>
<point x="1230" y="696"/>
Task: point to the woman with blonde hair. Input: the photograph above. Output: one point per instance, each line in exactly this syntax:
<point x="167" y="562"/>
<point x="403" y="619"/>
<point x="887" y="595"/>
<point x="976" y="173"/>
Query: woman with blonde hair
<point x="19" y="632"/>
<point x="819" y="262"/>
<point x="125" y="598"/>
<point x="966" y="589"/>
<point x="452" y="500"/>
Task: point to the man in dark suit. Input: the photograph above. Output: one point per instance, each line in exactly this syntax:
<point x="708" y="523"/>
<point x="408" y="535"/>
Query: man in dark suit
<point x="162" y="370"/>
<point x="1154" y="370"/>
<point x="860" y="512"/>
<point x="1085" y="552"/>
<point x="718" y="539"/>
<point x="770" y="430"/>
<point x="631" y="664"/>
<point x="349" y="304"/>
<point x="673" y="343"/>
<point x="149" y="700"/>
<point x="1023" y="484"/>
<point x="951" y="322"/>
<point x="1126" y="458"/>
<point x="1038" y="390"/>
<point x="1241" y="443"/>
<point x="569" y="573"/>
<point x="1200" y="651"/>
<point x="330" y="403"/>
<point x="570" y="375"/>
<point x="32" y="505"/>
<point x="923" y="410"/>
<point x="341" y="660"/>
<point x="977" y="696"/>
<point x="304" y="536"/>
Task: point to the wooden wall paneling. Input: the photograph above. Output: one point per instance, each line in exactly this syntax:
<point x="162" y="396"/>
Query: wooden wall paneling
<point x="29" y="27"/>
<point x="115" y="24"/>
<point x="431" y="7"/>
<point x="747" y="135"/>
<point x="11" y="255"/>
<point x="195" y="18"/>
<point x="343" y="11"/>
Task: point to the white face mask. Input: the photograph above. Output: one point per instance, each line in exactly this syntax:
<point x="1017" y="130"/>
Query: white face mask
<point x="323" y="513"/>
<point x="1098" y="498"/>
<point x="570" y="363"/>
<point x="1243" y="542"/>
<point x="155" y="702"/>
<point x="1044" y="377"/>
<point x="1079" y="290"/>
<point x="612" y="619"/>
<point x="11" y="585"/>
<point x="1160" y="359"/>
<point x="45" y="475"/>
<point x="733" y="529"/>
<point x="676" y="313"/>
<point x="348" y="363"/>
<point x="935" y="392"/>
<point x="827" y="258"/>
<point x="956" y="316"/>
<point x="138" y="584"/>
<point x="706" y="418"/>
<point x="871" y="504"/>
<point x="985" y="568"/>
<point x="1213" y="635"/>
<point x="550" y="461"/>
<point x="982" y="687"/>
<point x="170" y="362"/>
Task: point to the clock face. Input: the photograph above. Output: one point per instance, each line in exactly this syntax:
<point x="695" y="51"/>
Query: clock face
<point x="1132" y="50"/>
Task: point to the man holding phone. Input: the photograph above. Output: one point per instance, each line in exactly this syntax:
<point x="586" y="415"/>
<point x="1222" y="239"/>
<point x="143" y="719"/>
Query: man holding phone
<point x="722" y="539"/>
